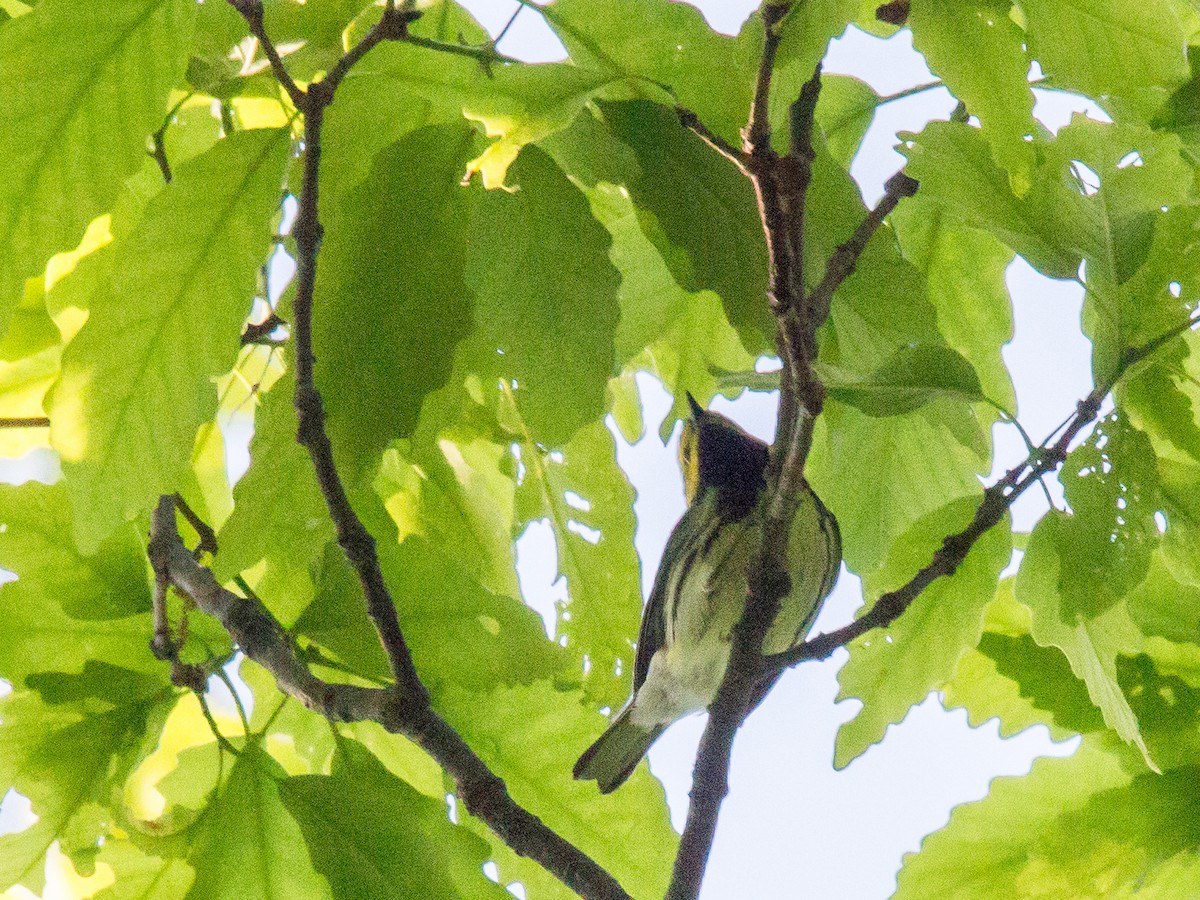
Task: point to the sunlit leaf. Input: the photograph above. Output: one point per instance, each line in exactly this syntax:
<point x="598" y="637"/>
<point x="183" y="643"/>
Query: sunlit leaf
<point x="164" y="325"/>
<point x="63" y="150"/>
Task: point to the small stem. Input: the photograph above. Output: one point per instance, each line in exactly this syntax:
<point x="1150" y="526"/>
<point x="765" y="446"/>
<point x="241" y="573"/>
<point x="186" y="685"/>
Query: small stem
<point x="260" y="332"/>
<point x="485" y="54"/>
<point x="222" y="741"/>
<point x="909" y="92"/>
<point x="507" y="25"/>
<point x="691" y="121"/>
<point x="237" y="701"/>
<point x="252" y="12"/>
<point x="207" y="537"/>
<point x="160" y="155"/>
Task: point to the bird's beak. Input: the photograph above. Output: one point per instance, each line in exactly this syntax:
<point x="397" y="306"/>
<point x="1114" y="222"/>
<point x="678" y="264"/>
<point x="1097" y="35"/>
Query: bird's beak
<point x="697" y="409"/>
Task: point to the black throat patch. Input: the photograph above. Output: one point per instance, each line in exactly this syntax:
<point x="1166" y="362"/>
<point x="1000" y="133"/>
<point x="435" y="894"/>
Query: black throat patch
<point x="733" y="462"/>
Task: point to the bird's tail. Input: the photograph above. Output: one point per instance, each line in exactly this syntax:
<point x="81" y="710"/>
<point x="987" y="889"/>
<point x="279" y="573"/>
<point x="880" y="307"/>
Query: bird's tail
<point x="616" y="753"/>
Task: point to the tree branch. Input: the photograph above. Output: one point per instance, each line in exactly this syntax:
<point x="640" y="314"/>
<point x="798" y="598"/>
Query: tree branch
<point x="264" y="640"/>
<point x="252" y="12"/>
<point x="260" y="332"/>
<point x="405" y="707"/>
<point x="997" y="500"/>
<point x="781" y="186"/>
<point x="353" y="537"/>
<point x="25" y="422"/>
<point x="841" y="264"/>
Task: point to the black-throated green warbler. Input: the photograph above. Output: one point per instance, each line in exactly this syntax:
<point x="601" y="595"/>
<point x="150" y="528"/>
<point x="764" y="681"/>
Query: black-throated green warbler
<point x="700" y="590"/>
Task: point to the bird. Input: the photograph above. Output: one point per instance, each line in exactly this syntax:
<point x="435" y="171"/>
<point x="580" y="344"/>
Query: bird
<point x="700" y="589"/>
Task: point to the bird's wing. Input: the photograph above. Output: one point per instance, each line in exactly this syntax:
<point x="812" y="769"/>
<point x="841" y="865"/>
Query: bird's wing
<point x="686" y="536"/>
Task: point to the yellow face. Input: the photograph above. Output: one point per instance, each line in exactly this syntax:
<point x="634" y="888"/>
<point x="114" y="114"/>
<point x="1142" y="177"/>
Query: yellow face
<point x="689" y="458"/>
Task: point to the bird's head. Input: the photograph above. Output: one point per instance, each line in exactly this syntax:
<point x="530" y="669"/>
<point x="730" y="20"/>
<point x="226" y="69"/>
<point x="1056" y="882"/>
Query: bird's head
<point x="715" y="452"/>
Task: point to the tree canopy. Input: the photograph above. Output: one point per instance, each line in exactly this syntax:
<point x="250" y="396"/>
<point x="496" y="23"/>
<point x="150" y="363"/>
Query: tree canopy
<point x="486" y="253"/>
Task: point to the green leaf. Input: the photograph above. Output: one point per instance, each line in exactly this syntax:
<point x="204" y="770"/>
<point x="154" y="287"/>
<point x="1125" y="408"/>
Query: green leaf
<point x="1166" y="705"/>
<point x="279" y="514"/>
<point x="69" y="760"/>
<point x="893" y="672"/>
<point x="964" y="271"/>
<point x="1009" y="676"/>
<point x="845" y="110"/>
<point x="915" y="375"/>
<point x="1091" y="639"/>
<point x="1140" y="237"/>
<point x="63" y="151"/>
<point x="530" y="737"/>
<point x="1111" y="483"/>
<point x="1179" y="491"/>
<point x="399" y="88"/>
<point x="1021" y="684"/>
<point x="546" y="298"/>
<point x="1164" y="606"/>
<point x="906" y="480"/>
<point x="705" y="221"/>
<point x="978" y="52"/>
<point x="371" y="835"/>
<point x="709" y="73"/>
<point x="1080" y="827"/>
<point x="1158" y="398"/>
<point x="459" y="632"/>
<point x="1111" y="47"/>
<point x="66" y="607"/>
<point x="142" y="876"/>
<point x="238" y="854"/>
<point x="1048" y="225"/>
<point x="391" y="300"/>
<point x="29" y="364"/>
<point x="682" y="338"/>
<point x="459" y="497"/>
<point x="179" y="292"/>
<point x="588" y="503"/>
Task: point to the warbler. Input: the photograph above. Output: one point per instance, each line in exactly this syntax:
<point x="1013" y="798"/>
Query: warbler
<point x="700" y="590"/>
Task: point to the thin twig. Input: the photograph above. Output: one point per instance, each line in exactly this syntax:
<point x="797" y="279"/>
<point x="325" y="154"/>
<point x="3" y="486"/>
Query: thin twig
<point x="207" y="537"/>
<point x="507" y="25"/>
<point x="688" y="119"/>
<point x="1030" y="446"/>
<point x="25" y="422"/>
<point x="159" y="138"/>
<point x="841" y="264"/>
<point x="263" y="639"/>
<point x="222" y="741"/>
<point x="252" y="12"/>
<point x="159" y="154"/>
<point x="485" y="55"/>
<point x="221" y="674"/>
<point x="260" y="332"/>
